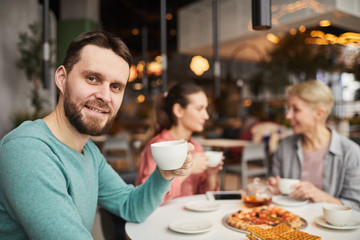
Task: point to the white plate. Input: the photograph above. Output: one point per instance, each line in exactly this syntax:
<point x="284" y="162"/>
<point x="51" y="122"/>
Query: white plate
<point x="354" y="223"/>
<point x="202" y="205"/>
<point x="288" y="202"/>
<point x="190" y="226"/>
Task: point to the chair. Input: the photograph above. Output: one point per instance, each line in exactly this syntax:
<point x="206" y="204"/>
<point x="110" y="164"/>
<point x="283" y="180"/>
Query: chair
<point x="113" y="227"/>
<point x="117" y="151"/>
<point x="254" y="162"/>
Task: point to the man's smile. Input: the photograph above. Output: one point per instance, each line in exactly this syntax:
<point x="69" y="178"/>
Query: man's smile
<point x="96" y="109"/>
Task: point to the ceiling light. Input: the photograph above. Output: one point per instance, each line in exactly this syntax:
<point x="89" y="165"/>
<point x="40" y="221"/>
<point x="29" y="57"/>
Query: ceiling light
<point x="135" y="31"/>
<point x="325" y="23"/>
<point x="172" y="32"/>
<point x="133" y="73"/>
<point x="199" y="65"/>
<point x="293" y="31"/>
<point x="273" y="38"/>
<point x="169" y="16"/>
<point x="302" y="28"/>
<point x="140" y="98"/>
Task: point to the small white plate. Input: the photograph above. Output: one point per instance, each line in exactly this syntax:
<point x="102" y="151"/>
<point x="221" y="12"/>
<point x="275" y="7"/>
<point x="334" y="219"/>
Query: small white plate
<point x="288" y="202"/>
<point x="354" y="223"/>
<point x="190" y="226"/>
<point x="202" y="205"/>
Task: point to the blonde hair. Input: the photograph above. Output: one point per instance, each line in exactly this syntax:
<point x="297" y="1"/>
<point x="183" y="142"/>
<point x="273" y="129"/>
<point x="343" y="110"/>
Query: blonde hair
<point x="314" y="92"/>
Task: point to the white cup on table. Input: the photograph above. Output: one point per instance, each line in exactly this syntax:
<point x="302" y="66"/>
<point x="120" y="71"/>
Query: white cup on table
<point x="337" y="215"/>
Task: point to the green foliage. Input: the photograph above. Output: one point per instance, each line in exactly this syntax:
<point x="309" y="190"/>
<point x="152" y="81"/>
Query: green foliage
<point x="30" y="48"/>
<point x="293" y="57"/>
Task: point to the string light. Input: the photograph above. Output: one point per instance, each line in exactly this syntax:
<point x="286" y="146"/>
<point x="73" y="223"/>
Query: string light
<point x="140" y="98"/>
<point x="325" y="23"/>
<point x="273" y="38"/>
<point x="199" y="65"/>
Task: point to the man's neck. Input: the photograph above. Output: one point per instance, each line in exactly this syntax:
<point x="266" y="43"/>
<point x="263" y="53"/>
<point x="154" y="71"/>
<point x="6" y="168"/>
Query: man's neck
<point x="64" y="131"/>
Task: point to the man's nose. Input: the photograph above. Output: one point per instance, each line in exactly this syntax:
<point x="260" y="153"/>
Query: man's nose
<point x="103" y="92"/>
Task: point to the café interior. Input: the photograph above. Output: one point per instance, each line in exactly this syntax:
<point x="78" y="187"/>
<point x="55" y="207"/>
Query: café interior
<point x="244" y="71"/>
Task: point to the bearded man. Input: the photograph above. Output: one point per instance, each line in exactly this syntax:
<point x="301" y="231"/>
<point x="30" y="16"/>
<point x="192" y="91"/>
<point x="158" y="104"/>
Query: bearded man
<point x="52" y="177"/>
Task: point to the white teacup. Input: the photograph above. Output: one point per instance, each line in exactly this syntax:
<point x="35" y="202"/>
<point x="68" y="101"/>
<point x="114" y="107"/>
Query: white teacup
<point x="285" y="185"/>
<point x="214" y="158"/>
<point x="338" y="215"/>
<point x="169" y="155"/>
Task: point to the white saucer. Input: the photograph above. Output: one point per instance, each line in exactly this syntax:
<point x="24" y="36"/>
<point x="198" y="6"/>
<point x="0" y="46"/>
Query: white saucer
<point x="202" y="205"/>
<point x="190" y="226"/>
<point x="288" y="202"/>
<point x="354" y="223"/>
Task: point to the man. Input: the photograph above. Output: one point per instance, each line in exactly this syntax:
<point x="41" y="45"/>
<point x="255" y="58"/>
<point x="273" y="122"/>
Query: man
<point x="51" y="176"/>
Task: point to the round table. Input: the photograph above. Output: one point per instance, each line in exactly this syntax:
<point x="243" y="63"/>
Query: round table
<point x="156" y="226"/>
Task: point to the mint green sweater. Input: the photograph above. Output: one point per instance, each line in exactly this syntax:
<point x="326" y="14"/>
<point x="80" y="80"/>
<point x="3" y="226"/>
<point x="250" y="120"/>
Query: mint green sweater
<point x="50" y="191"/>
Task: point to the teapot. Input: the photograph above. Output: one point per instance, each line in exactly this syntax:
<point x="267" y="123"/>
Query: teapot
<point x="257" y="194"/>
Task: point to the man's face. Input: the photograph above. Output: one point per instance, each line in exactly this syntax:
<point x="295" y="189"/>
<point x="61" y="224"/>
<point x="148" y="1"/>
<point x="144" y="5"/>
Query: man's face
<point x="94" y="90"/>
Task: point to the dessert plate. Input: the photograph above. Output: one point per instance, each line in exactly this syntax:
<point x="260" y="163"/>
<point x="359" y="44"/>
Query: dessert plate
<point x="288" y="202"/>
<point x="202" y="205"/>
<point x="190" y="226"/>
<point x="353" y="224"/>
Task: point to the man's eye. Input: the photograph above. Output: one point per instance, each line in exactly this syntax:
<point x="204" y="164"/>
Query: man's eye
<point x="91" y="79"/>
<point x="116" y="87"/>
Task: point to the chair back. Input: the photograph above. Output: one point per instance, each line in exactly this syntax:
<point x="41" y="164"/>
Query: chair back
<point x="117" y="148"/>
<point x="254" y="152"/>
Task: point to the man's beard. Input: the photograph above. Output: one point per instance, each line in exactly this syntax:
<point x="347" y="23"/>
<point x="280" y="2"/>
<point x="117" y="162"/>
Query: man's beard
<point x="92" y="126"/>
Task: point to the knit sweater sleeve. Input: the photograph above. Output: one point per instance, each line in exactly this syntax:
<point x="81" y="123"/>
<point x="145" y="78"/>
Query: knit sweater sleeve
<point x="34" y="194"/>
<point x="133" y="204"/>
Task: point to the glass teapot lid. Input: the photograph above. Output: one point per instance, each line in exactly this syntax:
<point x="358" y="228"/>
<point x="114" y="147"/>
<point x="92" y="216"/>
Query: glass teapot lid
<point x="257" y="187"/>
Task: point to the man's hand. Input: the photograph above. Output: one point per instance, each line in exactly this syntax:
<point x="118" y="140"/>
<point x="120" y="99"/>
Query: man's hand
<point x="184" y="170"/>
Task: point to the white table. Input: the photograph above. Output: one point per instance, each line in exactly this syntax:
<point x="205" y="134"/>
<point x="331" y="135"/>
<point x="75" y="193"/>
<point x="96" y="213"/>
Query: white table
<point x="223" y="142"/>
<point x="156" y="226"/>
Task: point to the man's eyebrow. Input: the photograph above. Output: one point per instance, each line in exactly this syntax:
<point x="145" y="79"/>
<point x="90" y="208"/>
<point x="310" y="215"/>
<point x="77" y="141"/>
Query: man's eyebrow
<point x="101" y="76"/>
<point x="96" y="74"/>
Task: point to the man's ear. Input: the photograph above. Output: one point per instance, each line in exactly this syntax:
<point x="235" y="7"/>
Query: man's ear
<point x="60" y="78"/>
<point x="178" y="110"/>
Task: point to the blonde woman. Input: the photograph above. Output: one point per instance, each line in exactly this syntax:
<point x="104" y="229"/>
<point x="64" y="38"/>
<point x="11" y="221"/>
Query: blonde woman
<point x="328" y="164"/>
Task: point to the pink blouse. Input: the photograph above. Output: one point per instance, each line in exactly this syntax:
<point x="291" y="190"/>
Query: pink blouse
<point x="193" y="184"/>
<point x="312" y="166"/>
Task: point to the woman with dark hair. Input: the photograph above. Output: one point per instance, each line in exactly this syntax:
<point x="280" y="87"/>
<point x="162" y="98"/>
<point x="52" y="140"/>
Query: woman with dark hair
<point x="178" y="114"/>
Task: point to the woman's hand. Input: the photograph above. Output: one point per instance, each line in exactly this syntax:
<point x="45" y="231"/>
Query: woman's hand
<point x="307" y="190"/>
<point x="273" y="182"/>
<point x="185" y="170"/>
<point x="216" y="169"/>
<point x="200" y="162"/>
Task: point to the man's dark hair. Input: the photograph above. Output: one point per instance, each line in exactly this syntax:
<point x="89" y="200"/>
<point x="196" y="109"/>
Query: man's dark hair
<point x="98" y="38"/>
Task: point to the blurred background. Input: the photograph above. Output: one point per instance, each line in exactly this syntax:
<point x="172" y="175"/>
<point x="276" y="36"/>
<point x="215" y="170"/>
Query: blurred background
<point x="210" y="42"/>
<point x="175" y="41"/>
